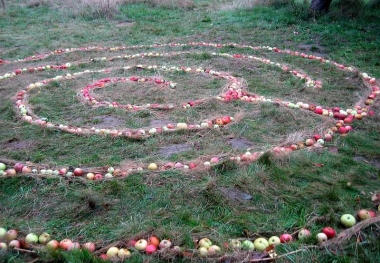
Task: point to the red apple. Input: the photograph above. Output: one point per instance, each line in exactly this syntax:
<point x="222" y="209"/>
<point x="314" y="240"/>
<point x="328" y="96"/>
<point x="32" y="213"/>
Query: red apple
<point x="150" y="249"/>
<point x="89" y="246"/>
<point x="364" y="214"/>
<point x="372" y="213"/>
<point x="18" y="167"/>
<point x="78" y="172"/>
<point x="153" y="240"/>
<point x="52" y="245"/>
<point x="192" y="165"/>
<point x="65" y="244"/>
<point x="226" y="119"/>
<point x="329" y="232"/>
<point x="285" y="238"/>
<point x="14" y="244"/>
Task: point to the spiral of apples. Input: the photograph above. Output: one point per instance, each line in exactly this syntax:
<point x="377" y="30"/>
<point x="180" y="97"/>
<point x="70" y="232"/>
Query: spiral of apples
<point x="235" y="91"/>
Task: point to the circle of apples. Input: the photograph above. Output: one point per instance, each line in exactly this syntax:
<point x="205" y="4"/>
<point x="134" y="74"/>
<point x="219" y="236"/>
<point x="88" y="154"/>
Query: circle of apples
<point x="234" y="91"/>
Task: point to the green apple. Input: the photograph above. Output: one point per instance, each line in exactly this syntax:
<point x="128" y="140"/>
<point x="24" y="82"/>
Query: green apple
<point x="348" y="220"/>
<point x="203" y="251"/>
<point x="3" y="232"/>
<point x="260" y="244"/>
<point x="235" y="243"/>
<point x="205" y="242"/>
<point x="31" y="238"/>
<point x="112" y="252"/>
<point x="2" y="167"/>
<point x="248" y="245"/>
<point x="44" y="238"/>
<point x="274" y="240"/>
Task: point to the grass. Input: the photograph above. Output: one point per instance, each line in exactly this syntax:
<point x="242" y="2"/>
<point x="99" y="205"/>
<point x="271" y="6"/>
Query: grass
<point x="304" y="189"/>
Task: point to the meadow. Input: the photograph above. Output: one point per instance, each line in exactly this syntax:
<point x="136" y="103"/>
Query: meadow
<point x="234" y="101"/>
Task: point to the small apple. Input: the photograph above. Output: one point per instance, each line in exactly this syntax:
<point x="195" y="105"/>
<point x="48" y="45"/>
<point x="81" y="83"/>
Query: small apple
<point x="65" y="244"/>
<point x="152" y="166"/>
<point x="348" y="220"/>
<point x="52" y="245"/>
<point x="214" y="250"/>
<point x="165" y="244"/>
<point x="154" y="241"/>
<point x="285" y="238"/>
<point x="364" y="214"/>
<point x="274" y="240"/>
<point x="372" y="213"/>
<point x="3" y="246"/>
<point x="124" y="253"/>
<point x="103" y="257"/>
<point x="248" y="245"/>
<point x="44" y="238"/>
<point x="303" y="233"/>
<point x="226" y="119"/>
<point x="235" y="243"/>
<point x="150" y="249"/>
<point x="329" y="232"/>
<point x="141" y="244"/>
<point x="3" y="232"/>
<point x="260" y="244"/>
<point x="321" y="237"/>
<point x="74" y="246"/>
<point x="78" y="172"/>
<point x="205" y="242"/>
<point x="31" y="238"/>
<point x="18" y="167"/>
<point x="203" y="251"/>
<point x="14" y="244"/>
<point x="89" y="246"/>
<point x="112" y="252"/>
<point x="11" y="235"/>
<point x="2" y="167"/>
<point x="90" y="176"/>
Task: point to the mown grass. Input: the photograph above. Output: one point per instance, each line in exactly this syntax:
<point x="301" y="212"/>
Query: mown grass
<point x="304" y="189"/>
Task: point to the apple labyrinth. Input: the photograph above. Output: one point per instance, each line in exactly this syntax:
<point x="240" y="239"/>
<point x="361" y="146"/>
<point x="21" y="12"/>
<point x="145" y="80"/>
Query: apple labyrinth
<point x="234" y="90"/>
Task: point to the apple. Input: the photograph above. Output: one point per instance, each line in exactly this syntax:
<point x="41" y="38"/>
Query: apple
<point x="329" y="232"/>
<point x="103" y="256"/>
<point x="321" y="237"/>
<point x="11" y="235"/>
<point x="141" y="244"/>
<point x="260" y="244"/>
<point x="213" y="250"/>
<point x="124" y="253"/>
<point x="203" y="251"/>
<point x="152" y="166"/>
<point x="372" y="213"/>
<point x="150" y="249"/>
<point x="14" y="244"/>
<point x="3" y="232"/>
<point x="274" y="240"/>
<point x="248" y="245"/>
<point x="309" y="142"/>
<point x="205" y="242"/>
<point x="303" y="233"/>
<point x="18" y="167"/>
<point x="26" y="170"/>
<point x="165" y="244"/>
<point x="112" y="252"/>
<point x="3" y="246"/>
<point x="74" y="245"/>
<point x="90" y="176"/>
<point x="235" y="243"/>
<point x="98" y="177"/>
<point x="226" y="119"/>
<point x="78" y="172"/>
<point x="285" y="238"/>
<point x="65" y="243"/>
<point x="364" y="214"/>
<point x="31" y="238"/>
<point x="2" y="167"/>
<point x="154" y="241"/>
<point x="52" y="245"/>
<point x="192" y="165"/>
<point x="89" y="246"/>
<point x="348" y="220"/>
<point x="62" y="171"/>
<point x="110" y="170"/>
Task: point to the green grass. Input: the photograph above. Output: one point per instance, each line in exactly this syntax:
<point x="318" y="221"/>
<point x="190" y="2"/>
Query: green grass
<point x="303" y="189"/>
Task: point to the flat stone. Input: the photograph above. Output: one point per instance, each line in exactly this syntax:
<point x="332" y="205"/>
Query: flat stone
<point x="235" y="194"/>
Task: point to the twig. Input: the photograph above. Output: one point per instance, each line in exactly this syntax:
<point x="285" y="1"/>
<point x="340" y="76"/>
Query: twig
<point x="25" y="250"/>
<point x="3" y="4"/>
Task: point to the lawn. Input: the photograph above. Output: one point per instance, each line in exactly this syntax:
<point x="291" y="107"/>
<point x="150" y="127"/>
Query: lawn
<point x="226" y="120"/>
